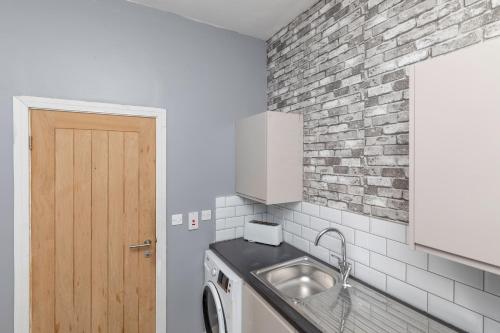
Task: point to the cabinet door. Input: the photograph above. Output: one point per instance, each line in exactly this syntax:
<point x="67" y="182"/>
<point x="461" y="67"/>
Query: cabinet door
<point x="251" y="163"/>
<point x="456" y="159"/>
<point x="258" y="316"/>
<point x="285" y="137"/>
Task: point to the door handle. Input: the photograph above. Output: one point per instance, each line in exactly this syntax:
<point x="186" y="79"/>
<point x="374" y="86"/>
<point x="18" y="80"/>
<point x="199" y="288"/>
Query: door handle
<point x="146" y="243"/>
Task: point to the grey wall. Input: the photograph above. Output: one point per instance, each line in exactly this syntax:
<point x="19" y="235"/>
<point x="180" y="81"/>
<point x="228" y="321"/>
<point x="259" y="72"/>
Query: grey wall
<point x="112" y="51"/>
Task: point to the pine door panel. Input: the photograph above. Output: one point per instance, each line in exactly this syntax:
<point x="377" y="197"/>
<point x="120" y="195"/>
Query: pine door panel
<point x="131" y="218"/>
<point x="99" y="266"/>
<point x="93" y="194"/>
<point x="64" y="234"/>
<point x="82" y="204"/>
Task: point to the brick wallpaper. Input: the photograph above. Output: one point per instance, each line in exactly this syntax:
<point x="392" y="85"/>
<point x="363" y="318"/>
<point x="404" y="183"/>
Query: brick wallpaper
<point x="343" y="65"/>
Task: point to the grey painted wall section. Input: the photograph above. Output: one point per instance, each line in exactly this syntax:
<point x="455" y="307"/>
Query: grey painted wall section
<point x="112" y="51"/>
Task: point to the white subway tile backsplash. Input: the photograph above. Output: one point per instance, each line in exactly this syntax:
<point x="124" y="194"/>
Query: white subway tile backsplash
<point x="220" y="202"/>
<point x="309" y="234"/>
<point x="233" y="222"/>
<point x="388" y="266"/>
<point x="258" y="217"/>
<point x="287" y="214"/>
<point x="259" y="208"/>
<point x="300" y="243"/>
<point x="492" y="283"/>
<point x="293" y="228"/>
<point x="455" y="314"/>
<point x="379" y="256"/>
<point x="220" y="224"/>
<point x="310" y="209"/>
<point x="330" y="214"/>
<point x="225" y="234"/>
<point x="358" y="254"/>
<point x="319" y="224"/>
<point x="387" y="229"/>
<point x="331" y="242"/>
<point x="402" y="252"/>
<point x="232" y="212"/>
<point x="430" y="282"/>
<point x="239" y="232"/>
<point x="235" y="200"/>
<point x="301" y="218"/>
<point x="478" y="301"/>
<point x="287" y="237"/>
<point x="371" y="242"/>
<point x="276" y="211"/>
<point x="491" y="326"/>
<point x="267" y="217"/>
<point x="295" y="206"/>
<point x="371" y="276"/>
<point x="221" y="213"/>
<point x="356" y="221"/>
<point x="244" y="210"/>
<point x="408" y="293"/>
<point x="320" y="252"/>
<point x="346" y="231"/>
<point x="459" y="272"/>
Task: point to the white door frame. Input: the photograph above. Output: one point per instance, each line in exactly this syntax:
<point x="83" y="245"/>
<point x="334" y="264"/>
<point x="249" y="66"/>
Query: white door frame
<point x="22" y="171"/>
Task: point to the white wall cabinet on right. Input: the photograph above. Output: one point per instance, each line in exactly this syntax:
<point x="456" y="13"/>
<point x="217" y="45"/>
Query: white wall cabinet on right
<point x="455" y="156"/>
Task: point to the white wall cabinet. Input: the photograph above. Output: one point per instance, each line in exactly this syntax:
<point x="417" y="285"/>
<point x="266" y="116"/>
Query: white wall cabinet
<point x="259" y="316"/>
<point x="269" y="155"/>
<point x="455" y="156"/>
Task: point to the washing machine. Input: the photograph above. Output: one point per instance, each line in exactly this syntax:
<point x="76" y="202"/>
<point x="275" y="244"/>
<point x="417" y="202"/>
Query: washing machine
<point x="222" y="297"/>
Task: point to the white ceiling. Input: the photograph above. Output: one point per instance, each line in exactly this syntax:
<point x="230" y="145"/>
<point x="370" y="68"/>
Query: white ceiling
<point x="257" y="18"/>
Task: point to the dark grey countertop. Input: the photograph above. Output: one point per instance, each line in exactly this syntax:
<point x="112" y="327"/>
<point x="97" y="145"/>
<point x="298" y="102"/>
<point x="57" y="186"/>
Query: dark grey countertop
<point x="387" y="315"/>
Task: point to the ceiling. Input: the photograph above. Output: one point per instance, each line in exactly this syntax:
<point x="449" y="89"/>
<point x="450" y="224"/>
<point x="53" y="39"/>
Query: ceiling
<point x="257" y="18"/>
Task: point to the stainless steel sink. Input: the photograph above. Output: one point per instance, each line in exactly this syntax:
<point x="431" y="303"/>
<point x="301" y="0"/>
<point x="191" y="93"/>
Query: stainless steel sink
<point x="298" y="279"/>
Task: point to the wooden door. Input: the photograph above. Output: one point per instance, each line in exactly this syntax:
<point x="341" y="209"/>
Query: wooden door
<point x="92" y="195"/>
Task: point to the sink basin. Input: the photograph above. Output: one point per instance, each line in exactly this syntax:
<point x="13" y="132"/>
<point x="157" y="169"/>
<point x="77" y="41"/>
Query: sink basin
<point x="298" y="279"/>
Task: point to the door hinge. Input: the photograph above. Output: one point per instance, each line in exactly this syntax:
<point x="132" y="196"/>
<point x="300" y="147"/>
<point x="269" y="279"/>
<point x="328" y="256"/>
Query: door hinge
<point x="30" y="142"/>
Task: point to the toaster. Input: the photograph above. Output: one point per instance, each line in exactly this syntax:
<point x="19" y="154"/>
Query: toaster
<point x="263" y="232"/>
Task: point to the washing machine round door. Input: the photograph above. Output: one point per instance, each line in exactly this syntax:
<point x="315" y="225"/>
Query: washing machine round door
<point x="213" y="312"/>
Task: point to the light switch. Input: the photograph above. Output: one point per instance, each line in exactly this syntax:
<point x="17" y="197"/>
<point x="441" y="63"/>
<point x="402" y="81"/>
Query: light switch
<point x="206" y="215"/>
<point x="193" y="221"/>
<point x="176" y="219"/>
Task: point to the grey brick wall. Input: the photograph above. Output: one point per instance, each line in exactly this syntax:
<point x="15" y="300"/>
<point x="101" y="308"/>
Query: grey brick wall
<point x="343" y="65"/>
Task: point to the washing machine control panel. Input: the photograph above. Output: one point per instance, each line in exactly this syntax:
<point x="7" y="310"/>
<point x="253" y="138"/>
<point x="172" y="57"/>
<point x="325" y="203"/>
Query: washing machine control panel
<point x="216" y="274"/>
<point x="224" y="282"/>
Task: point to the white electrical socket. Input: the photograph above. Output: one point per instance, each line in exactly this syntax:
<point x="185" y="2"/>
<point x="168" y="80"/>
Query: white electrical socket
<point x="193" y="221"/>
<point x="176" y="219"/>
<point x="206" y="215"/>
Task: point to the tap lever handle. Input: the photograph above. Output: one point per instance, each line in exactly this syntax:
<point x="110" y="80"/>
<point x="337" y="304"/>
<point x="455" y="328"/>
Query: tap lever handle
<point x="348" y="271"/>
<point x="336" y="257"/>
